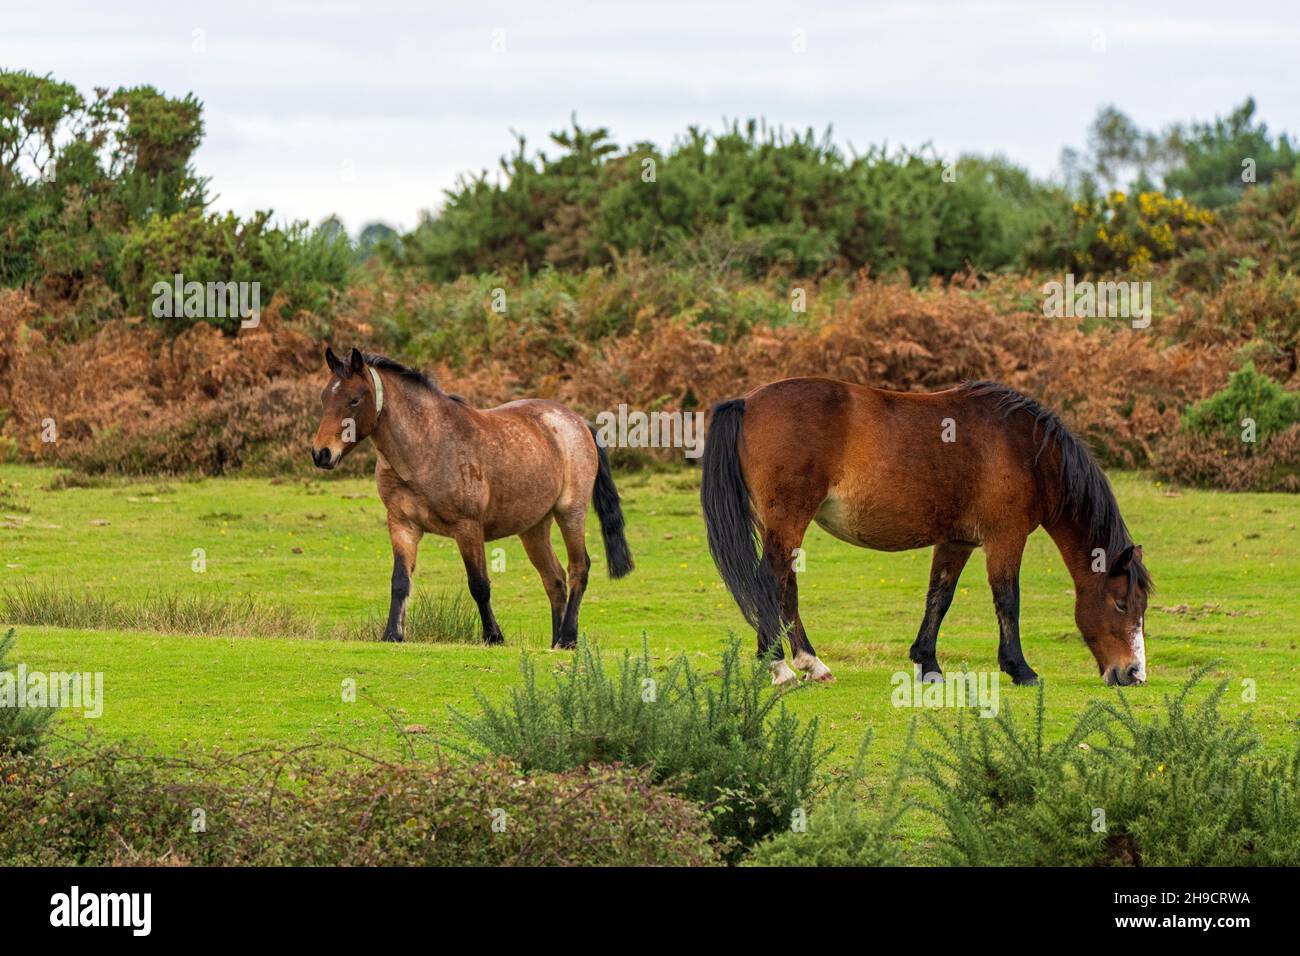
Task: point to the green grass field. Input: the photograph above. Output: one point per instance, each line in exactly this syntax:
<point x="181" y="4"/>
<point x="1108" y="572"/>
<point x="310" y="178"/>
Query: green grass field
<point x="1226" y="569"/>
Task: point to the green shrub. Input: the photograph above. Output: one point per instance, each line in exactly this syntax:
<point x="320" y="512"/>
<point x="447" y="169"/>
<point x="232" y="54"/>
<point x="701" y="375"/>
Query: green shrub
<point x="22" y="729"/>
<point x="1185" y="789"/>
<point x="750" y="199"/>
<point x="1120" y="233"/>
<point x="108" y="805"/>
<point x="841" y="830"/>
<point x="729" y="745"/>
<point x="1247" y="395"/>
<point x="304" y="265"/>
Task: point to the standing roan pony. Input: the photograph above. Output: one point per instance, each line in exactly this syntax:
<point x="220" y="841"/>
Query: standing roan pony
<point x="474" y="476"/>
<point x="974" y="466"/>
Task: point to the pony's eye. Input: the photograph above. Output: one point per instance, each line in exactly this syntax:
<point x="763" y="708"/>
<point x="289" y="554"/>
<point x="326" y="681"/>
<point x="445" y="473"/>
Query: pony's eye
<point x="355" y="402"/>
<point x="1121" y="607"/>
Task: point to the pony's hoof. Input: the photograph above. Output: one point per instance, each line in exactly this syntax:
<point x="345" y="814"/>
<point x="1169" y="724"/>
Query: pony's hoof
<point x="782" y="674"/>
<point x="1025" y="679"/>
<point x="492" y="640"/>
<point x="813" y="668"/>
<point x="392" y="638"/>
<point x="931" y="675"/>
<point x="565" y="646"/>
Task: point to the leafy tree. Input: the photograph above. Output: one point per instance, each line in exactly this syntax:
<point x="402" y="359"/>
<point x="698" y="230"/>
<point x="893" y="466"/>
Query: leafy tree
<point x="77" y="173"/>
<point x="375" y="238"/>
<point x="1219" y="158"/>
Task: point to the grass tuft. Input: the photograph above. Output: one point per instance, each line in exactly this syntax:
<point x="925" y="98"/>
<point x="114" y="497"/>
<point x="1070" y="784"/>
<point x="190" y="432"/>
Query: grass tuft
<point x="445" y="618"/>
<point x="440" y="619"/>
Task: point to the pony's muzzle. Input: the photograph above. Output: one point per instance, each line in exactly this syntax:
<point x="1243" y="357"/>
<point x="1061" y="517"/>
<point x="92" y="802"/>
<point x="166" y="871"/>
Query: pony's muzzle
<point x="323" y="458"/>
<point x="1126" y="675"/>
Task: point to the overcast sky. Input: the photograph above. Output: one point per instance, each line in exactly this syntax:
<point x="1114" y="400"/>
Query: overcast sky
<point x="370" y="109"/>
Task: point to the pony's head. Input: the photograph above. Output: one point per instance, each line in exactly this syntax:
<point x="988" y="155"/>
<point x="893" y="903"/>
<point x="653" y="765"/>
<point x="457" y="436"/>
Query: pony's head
<point x="350" y="404"/>
<point x="1110" y="610"/>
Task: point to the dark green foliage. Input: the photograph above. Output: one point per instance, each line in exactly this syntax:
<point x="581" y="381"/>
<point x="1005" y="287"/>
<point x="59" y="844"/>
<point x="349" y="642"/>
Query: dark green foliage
<point x="22" y="729"/>
<point x="98" y="200"/>
<point x="1211" y="165"/>
<point x="844" y="829"/>
<point x="107" y="805"/>
<point x="749" y="199"/>
<point x="77" y="173"/>
<point x="1247" y="395"/>
<point x="1185" y="789"/>
<point x="728" y="744"/>
<point x="303" y="264"/>
<point x="1215" y="157"/>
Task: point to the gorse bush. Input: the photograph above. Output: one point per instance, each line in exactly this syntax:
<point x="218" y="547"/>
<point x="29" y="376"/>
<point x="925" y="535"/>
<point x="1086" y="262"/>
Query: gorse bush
<point x="22" y="729"/>
<point x="100" y="200"/>
<point x="1248" y="396"/>
<point x="728" y="744"/>
<point x="748" y="199"/>
<point x="1121" y="233"/>
<point x="106" y="805"/>
<point x="844" y="829"/>
<point x="303" y="265"/>
<point x="1184" y="789"/>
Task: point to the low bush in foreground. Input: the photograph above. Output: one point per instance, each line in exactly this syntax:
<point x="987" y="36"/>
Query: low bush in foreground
<point x="1184" y="789"/>
<point x="22" y="729"/>
<point x="109" y="805"/>
<point x="843" y="830"/>
<point x="728" y="745"/>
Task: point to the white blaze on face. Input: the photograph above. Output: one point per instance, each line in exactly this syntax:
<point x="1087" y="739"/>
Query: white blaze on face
<point x="1139" y="645"/>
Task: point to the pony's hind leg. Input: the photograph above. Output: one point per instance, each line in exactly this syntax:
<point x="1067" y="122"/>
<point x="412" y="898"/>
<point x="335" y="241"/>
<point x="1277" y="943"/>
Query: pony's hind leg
<point x="573" y="528"/>
<point x="537" y="544"/>
<point x="469" y="539"/>
<point x="781" y="551"/>
<point x="406" y="544"/>
<point x="945" y="568"/>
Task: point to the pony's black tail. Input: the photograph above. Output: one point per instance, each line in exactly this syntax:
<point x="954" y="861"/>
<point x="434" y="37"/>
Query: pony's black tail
<point x="605" y="497"/>
<point x="729" y="520"/>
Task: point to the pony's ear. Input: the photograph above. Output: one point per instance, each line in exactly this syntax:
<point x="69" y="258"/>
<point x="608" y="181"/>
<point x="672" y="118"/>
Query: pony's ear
<point x="1120" y="566"/>
<point x="335" y="364"/>
<point x="357" y="361"/>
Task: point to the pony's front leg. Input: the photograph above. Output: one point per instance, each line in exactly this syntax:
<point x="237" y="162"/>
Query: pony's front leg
<point x="469" y="538"/>
<point x="945" y="570"/>
<point x="1004" y="580"/>
<point x="406" y="543"/>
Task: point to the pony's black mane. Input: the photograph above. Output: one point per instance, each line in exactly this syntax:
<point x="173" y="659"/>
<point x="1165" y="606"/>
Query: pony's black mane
<point x="405" y="372"/>
<point x="1085" y="491"/>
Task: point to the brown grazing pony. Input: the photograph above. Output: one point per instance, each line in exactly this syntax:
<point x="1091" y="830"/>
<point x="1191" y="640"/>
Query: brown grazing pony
<point x="974" y="466"/>
<point x="474" y="476"/>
